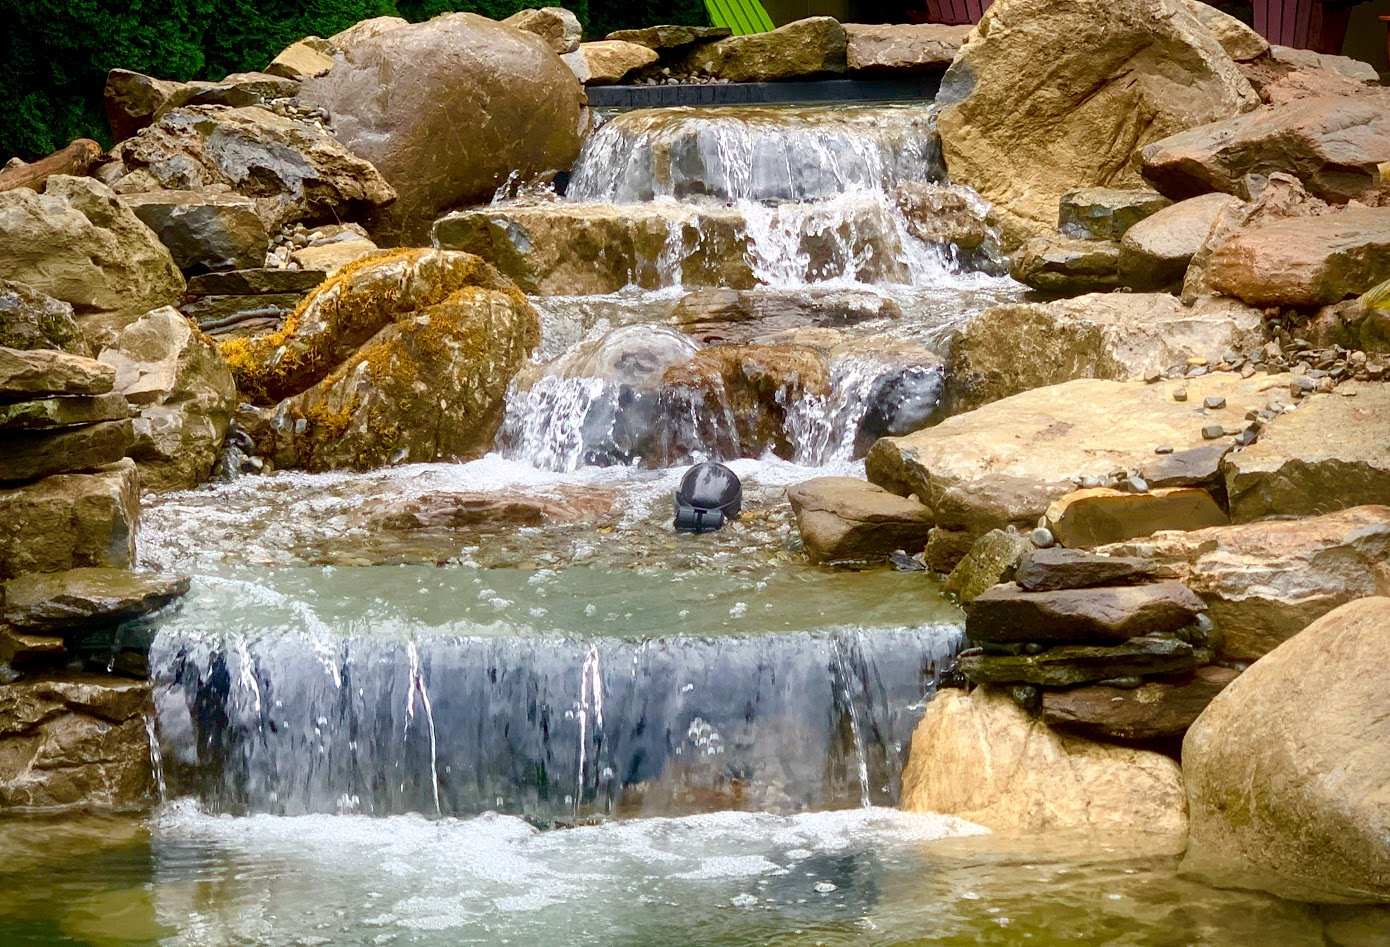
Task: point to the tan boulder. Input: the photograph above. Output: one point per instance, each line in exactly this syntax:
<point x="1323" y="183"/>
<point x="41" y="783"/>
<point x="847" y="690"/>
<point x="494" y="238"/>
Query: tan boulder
<point x="1005" y="462"/>
<point x="1239" y="41"/>
<point x="304" y="59"/>
<point x="842" y="519"/>
<point x="1096" y="516"/>
<point x="1288" y="781"/>
<point x="1016" y="347"/>
<point x="71" y="520"/>
<point x="900" y="48"/>
<point x="1154" y="253"/>
<point x="344" y="312"/>
<point x="75" y="742"/>
<point x="1330" y="454"/>
<point x="293" y="170"/>
<point x="981" y="757"/>
<point x="79" y="243"/>
<point x="1333" y="144"/>
<point x="607" y="61"/>
<point x="557" y="26"/>
<point x="36" y="373"/>
<point x="1129" y="73"/>
<point x="1060" y="265"/>
<point x="1264" y="582"/>
<point x="1304" y="261"/>
<point x="523" y="109"/>
<point x="803" y="49"/>
<point x="364" y="30"/>
<point x="184" y="392"/>
<point x="670" y="36"/>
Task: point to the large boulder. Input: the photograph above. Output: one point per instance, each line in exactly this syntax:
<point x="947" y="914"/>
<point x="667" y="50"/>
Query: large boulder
<point x="429" y="386"/>
<point x="1006" y="462"/>
<point x="608" y="61"/>
<point x="183" y="389"/>
<point x="1334" y="144"/>
<point x="1016" y="347"/>
<point x="803" y="49"/>
<point x="1239" y="41"/>
<point x="78" y="741"/>
<point x="1154" y="253"/>
<point x="204" y="230"/>
<point x="981" y="757"/>
<point x="30" y="319"/>
<point x="911" y="48"/>
<point x="1264" y="582"/>
<point x="80" y="243"/>
<point x="1129" y="73"/>
<point x="1304" y="261"/>
<point x="400" y="98"/>
<point x="1288" y="781"/>
<point x="1330" y="454"/>
<point x="293" y="170"/>
<point x="71" y="520"/>
<point x="842" y="519"/>
<point x="347" y="310"/>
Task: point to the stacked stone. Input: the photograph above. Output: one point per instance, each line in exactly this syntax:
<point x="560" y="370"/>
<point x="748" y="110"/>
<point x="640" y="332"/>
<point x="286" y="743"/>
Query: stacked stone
<point x="246" y="301"/>
<point x="1105" y="646"/>
<point x="72" y="733"/>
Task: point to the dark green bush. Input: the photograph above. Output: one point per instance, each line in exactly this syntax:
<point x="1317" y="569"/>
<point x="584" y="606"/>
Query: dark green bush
<point x="56" y="53"/>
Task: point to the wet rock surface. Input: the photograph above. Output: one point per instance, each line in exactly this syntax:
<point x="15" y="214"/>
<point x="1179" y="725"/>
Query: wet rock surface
<point x="30" y="319"/>
<point x="1155" y="710"/>
<point x="1105" y="213"/>
<point x="29" y="455"/>
<point x="204" y="230"/>
<point x="993" y="558"/>
<point x="1043" y="570"/>
<point x="1066" y="665"/>
<point x="47" y="603"/>
<point x="71" y="520"/>
<point x="846" y="520"/>
<point x="1009" y="614"/>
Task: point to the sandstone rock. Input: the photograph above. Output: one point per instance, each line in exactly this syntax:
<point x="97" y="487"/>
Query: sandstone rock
<point x="1333" y="144"/>
<point x="347" y="310"/>
<point x="804" y="49"/>
<point x="1239" y="41"/>
<point x="1060" y="265"/>
<point x="1154" y="253"/>
<point x="132" y="100"/>
<point x="75" y="742"/>
<point x="1362" y="323"/>
<point x="522" y="107"/>
<point x="1096" y="516"/>
<point x="1008" y="614"/>
<point x="69" y="411"/>
<point x="1286" y="770"/>
<point x="365" y="30"/>
<point x="1304" y="261"/>
<point x="607" y="61"/>
<point x="1016" y="347"/>
<point x="1330" y="454"/>
<point x="947" y="547"/>
<point x="1264" y="582"/>
<point x="1105" y="213"/>
<point x="429" y="386"/>
<point x="30" y="455"/>
<point x="329" y="258"/>
<point x="670" y="37"/>
<point x="731" y="315"/>
<point x="1157" y="710"/>
<point x="204" y="230"/>
<point x="1005" y="462"/>
<point x="981" y="757"/>
<point x="1058" y="568"/>
<point x="26" y="374"/>
<point x="293" y="170"/>
<point x="57" y="602"/>
<point x="492" y="510"/>
<point x="992" y="559"/>
<point x="24" y="653"/>
<point x="946" y="215"/>
<point x="302" y="60"/>
<point x="70" y="520"/>
<point x="1342" y="65"/>
<point x="1067" y="665"/>
<point x="30" y="319"/>
<point x="842" y="519"/>
<point x="185" y="395"/>
<point x="237" y="90"/>
<point x="1129" y="73"/>
<point x="902" y="48"/>
<point x="79" y="243"/>
<point x="557" y="26"/>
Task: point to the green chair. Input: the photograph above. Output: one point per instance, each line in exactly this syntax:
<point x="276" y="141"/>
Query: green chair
<point x="741" y="16"/>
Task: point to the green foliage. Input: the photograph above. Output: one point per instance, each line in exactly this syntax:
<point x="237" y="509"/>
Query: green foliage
<point x="56" y="53"/>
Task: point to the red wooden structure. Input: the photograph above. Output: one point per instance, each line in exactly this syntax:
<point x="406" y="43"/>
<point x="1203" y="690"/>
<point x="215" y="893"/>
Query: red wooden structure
<point x="1319" y="25"/>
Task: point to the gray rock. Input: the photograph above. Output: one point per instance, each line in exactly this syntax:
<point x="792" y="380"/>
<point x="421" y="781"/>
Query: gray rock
<point x="70" y="520"/>
<point x="1047" y="569"/>
<point x="28" y="374"/>
<point x="31" y="455"/>
<point x="1105" y="213"/>
<point x="1080" y="664"/>
<point x="204" y="230"/>
<point x="30" y="319"/>
<point x="71" y="411"/>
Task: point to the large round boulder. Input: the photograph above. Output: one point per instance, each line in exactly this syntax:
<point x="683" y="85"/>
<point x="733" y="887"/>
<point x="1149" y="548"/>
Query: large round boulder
<point x="1287" y="771"/>
<point x="1028" y="118"/>
<point x="447" y="110"/>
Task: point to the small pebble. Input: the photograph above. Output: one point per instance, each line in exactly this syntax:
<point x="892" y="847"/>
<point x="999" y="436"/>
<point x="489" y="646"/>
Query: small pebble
<point x="1042" y="537"/>
<point x="1165" y="449"/>
<point x="1246" y="437"/>
<point x="1214" y="402"/>
<point x="1033" y="647"/>
<point x="1180" y="394"/>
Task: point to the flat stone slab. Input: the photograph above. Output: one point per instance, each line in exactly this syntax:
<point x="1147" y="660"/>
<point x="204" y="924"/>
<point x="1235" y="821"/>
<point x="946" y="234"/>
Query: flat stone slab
<point x="32" y="373"/>
<point x="1044" y="570"/>
<point x="844" y="519"/>
<point x="1153" y="711"/>
<point x="1332" y="453"/>
<point x="1096" y="516"/>
<point x="886" y="49"/>
<point x="670" y="36"/>
<point x="32" y="454"/>
<point x="78" y="599"/>
<point x="1084" y="664"/>
<point x="254" y="282"/>
<point x="63" y="412"/>
<point x="1008" y="614"/>
<point x="1105" y="213"/>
